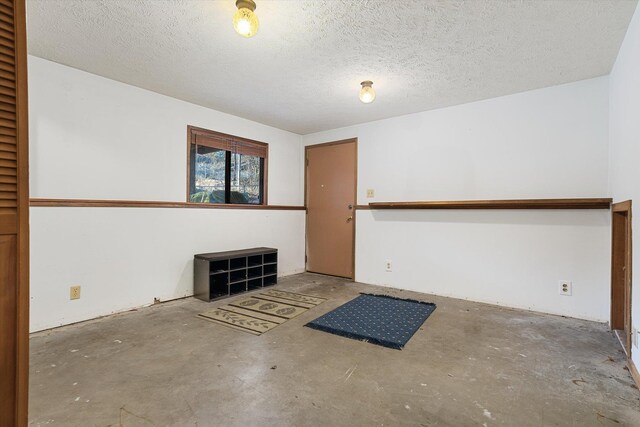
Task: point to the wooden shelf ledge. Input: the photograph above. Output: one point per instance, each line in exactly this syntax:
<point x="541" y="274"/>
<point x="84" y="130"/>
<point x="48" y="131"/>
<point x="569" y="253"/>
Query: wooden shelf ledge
<point x="588" y="203"/>
<point x="151" y="204"/>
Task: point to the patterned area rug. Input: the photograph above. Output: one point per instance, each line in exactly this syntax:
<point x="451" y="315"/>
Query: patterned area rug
<point x="378" y="319"/>
<point x="261" y="312"/>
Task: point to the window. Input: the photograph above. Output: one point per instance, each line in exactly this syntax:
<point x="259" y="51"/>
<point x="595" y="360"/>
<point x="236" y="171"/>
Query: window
<point x="226" y="169"/>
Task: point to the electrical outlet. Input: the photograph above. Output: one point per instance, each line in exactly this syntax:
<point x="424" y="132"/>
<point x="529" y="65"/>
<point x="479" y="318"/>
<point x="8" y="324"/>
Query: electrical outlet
<point x="74" y="292"/>
<point x="387" y="265"/>
<point x="370" y="193"/>
<point x="564" y="287"/>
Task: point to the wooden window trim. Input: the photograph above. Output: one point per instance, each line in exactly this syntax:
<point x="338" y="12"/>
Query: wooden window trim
<point x="227" y="142"/>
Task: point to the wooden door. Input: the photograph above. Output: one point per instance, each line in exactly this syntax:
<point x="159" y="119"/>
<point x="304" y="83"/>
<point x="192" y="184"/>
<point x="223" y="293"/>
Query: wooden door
<point x="621" y="271"/>
<point x="14" y="216"/>
<point x="331" y="174"/>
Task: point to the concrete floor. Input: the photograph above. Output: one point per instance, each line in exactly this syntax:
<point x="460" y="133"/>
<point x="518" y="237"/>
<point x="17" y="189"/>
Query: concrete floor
<point x="470" y="364"/>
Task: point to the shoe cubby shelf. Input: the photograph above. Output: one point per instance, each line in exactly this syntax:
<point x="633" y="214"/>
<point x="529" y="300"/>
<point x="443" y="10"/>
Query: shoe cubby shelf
<point x="222" y="274"/>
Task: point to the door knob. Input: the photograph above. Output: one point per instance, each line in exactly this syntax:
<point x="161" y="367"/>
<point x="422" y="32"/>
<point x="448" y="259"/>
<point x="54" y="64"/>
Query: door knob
<point x="349" y="219"/>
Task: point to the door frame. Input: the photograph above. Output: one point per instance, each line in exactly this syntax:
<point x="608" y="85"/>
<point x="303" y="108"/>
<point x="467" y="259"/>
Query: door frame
<point x="618" y="297"/>
<point x="355" y="199"/>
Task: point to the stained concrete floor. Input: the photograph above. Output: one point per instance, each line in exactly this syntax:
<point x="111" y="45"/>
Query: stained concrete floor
<point x="470" y="364"/>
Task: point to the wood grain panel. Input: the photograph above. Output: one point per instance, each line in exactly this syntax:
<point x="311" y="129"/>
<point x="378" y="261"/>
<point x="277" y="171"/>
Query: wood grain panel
<point x="8" y="339"/>
<point x="9" y="131"/>
<point x="8" y="195"/>
<point x="330" y="193"/>
<point x="5" y="98"/>
<point x="22" y="141"/>
<point x="618" y="269"/>
<point x="14" y="216"/>
<point x="8" y="155"/>
<point x="7" y="163"/>
<point x="6" y="82"/>
<point x="8" y="144"/>
<point x="4" y="75"/>
<point x="6" y="11"/>
<point x="6" y="54"/>
<point x="6" y="34"/>
<point x="8" y="222"/>
<point x="7" y="106"/>
<point x="8" y="171"/>
<point x="7" y="43"/>
<point x="6" y="115"/>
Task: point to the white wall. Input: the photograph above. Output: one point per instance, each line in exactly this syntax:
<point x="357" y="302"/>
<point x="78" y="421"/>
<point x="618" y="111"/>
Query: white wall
<point x="625" y="144"/>
<point x="540" y="144"/>
<point x="99" y="139"/>
<point x="95" y="138"/>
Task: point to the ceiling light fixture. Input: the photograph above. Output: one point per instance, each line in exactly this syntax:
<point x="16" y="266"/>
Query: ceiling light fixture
<point x="245" y="21"/>
<point x="367" y="94"/>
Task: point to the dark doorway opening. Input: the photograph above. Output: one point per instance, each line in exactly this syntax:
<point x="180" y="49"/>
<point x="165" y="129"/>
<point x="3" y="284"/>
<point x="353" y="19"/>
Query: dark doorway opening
<point x="621" y="273"/>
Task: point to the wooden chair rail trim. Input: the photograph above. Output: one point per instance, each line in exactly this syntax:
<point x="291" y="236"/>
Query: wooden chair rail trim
<point x="621" y="206"/>
<point x="85" y="203"/>
<point x="585" y="203"/>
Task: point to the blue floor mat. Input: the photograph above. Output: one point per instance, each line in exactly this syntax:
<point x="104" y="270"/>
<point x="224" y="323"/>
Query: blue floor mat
<point x="378" y="319"/>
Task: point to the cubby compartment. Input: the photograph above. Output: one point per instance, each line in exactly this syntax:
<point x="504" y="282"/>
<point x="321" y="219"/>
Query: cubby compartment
<point x="270" y="280"/>
<point x="237" y="276"/>
<point x="236" y="263"/>
<point x="218" y="285"/>
<point x="255" y="260"/>
<point x="254" y="272"/>
<point x="220" y="274"/>
<point x="239" y="287"/>
<point x="270" y="269"/>
<point x="219" y="266"/>
<point x="254" y="284"/>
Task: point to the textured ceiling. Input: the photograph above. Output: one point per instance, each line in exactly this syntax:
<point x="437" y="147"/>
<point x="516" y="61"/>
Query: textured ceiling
<point x="302" y="71"/>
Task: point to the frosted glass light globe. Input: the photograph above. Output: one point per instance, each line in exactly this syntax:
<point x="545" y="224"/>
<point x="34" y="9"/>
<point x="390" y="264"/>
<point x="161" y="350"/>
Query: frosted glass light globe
<point x="245" y="22"/>
<point x="367" y="94"/>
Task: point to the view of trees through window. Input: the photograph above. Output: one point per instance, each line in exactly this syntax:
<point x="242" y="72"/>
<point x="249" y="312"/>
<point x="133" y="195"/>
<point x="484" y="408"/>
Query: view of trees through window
<point x="245" y="177"/>
<point x="210" y="168"/>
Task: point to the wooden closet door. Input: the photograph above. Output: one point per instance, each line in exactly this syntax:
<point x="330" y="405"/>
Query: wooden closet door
<point x="14" y="216"/>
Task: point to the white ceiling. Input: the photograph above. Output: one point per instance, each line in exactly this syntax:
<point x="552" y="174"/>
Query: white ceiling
<point x="302" y="71"/>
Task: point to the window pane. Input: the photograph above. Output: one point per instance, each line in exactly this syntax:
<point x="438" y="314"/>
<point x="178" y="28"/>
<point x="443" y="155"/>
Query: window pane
<point x="208" y="170"/>
<point x="246" y="177"/>
<point x="220" y="176"/>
